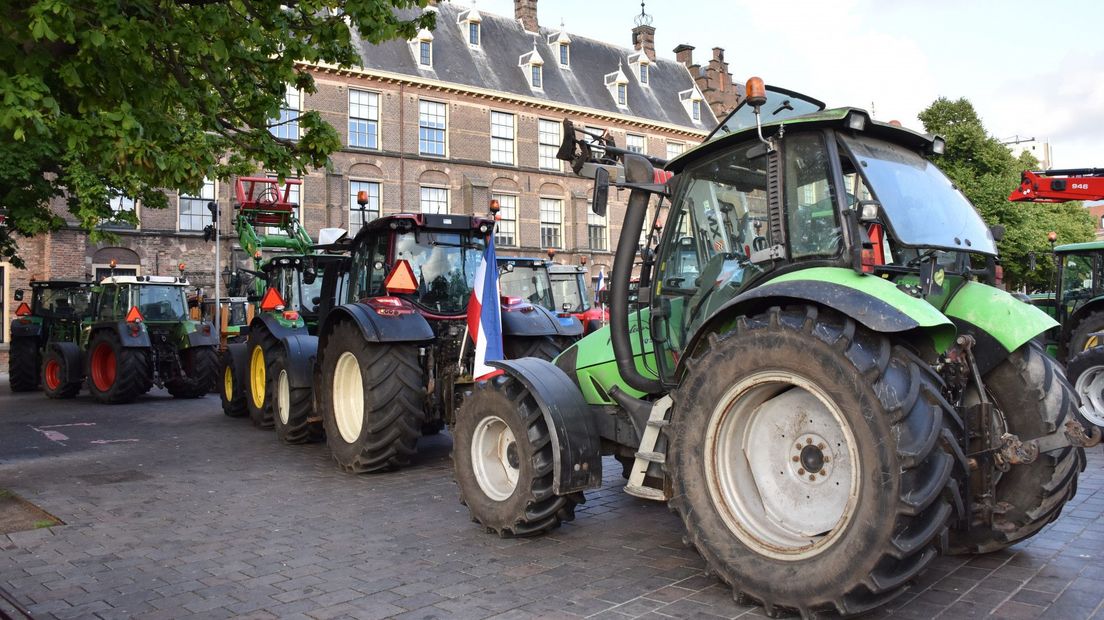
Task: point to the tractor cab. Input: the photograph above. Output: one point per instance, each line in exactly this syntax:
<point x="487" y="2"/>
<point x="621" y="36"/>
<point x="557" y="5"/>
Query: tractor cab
<point x="527" y="280"/>
<point x="297" y="282"/>
<point x="569" y="287"/>
<point x="55" y="300"/>
<point x="52" y="315"/>
<point x="422" y="262"/>
<point x="1077" y="302"/>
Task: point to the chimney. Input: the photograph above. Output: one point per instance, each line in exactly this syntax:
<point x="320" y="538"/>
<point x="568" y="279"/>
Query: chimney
<point x="718" y="54"/>
<point x="685" y="54"/>
<point x="525" y="11"/>
<point x="644" y="40"/>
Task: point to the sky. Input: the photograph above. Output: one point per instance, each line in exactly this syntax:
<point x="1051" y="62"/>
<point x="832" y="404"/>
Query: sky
<point x="1031" y="69"/>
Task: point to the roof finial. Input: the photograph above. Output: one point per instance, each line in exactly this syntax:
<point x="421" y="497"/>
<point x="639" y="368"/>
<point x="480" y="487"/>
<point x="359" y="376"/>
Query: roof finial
<point x="643" y="19"/>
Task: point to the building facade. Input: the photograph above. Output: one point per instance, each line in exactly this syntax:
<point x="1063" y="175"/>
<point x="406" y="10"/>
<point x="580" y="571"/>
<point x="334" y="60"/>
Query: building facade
<point x="446" y="122"/>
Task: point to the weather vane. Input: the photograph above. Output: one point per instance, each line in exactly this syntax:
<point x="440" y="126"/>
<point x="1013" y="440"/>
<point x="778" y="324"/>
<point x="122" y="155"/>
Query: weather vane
<point x="643" y="19"/>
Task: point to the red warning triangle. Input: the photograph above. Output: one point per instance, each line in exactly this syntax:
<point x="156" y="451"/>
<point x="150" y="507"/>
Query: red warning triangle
<point x="272" y="300"/>
<point x="401" y="279"/>
<point x="134" y="316"/>
<point x="23" y="309"/>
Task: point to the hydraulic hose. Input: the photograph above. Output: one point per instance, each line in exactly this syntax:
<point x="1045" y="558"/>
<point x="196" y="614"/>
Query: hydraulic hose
<point x="623" y="261"/>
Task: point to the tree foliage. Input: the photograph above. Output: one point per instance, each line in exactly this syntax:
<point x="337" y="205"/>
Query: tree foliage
<point x="102" y="98"/>
<point x="985" y="170"/>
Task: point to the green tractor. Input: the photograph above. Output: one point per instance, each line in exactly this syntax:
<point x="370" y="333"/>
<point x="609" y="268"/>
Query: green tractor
<point x="54" y="316"/>
<point x="139" y="335"/>
<point x="814" y="377"/>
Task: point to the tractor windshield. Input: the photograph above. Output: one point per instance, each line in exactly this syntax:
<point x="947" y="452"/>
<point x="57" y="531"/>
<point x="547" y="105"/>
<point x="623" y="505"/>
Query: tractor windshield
<point x="781" y="105"/>
<point x="61" y="302"/>
<point x="162" y="303"/>
<point x="567" y="288"/>
<point x="297" y="295"/>
<point x="529" y="282"/>
<point x="1077" y="281"/>
<point x="924" y="209"/>
<point x="444" y="264"/>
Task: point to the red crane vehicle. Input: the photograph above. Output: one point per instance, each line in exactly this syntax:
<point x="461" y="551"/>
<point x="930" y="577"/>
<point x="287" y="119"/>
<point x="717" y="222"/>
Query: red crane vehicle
<point x="1077" y="300"/>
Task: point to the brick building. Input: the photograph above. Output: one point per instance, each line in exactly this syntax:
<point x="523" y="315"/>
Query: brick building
<point x="445" y="122"/>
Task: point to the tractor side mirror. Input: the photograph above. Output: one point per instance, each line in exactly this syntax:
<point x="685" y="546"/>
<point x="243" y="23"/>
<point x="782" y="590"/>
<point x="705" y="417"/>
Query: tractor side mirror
<point x="567" y="306"/>
<point x="309" y="276"/>
<point x="19" y="294"/>
<point x="317" y="299"/>
<point x="601" y="192"/>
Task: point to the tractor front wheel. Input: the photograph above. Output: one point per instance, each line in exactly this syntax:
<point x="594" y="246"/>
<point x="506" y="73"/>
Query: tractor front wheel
<point x="373" y="398"/>
<point x="262" y="348"/>
<point x="1032" y="399"/>
<point x="502" y="458"/>
<point x="807" y="461"/>
<point x="117" y="374"/>
<point x="232" y="390"/>
<point x="199" y="366"/>
<point x="293" y="408"/>
<point x="1085" y="372"/>
<point x="55" y="372"/>
<point x="23" y="365"/>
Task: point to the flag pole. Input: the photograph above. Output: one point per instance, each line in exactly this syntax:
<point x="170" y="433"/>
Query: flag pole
<point x="463" y="348"/>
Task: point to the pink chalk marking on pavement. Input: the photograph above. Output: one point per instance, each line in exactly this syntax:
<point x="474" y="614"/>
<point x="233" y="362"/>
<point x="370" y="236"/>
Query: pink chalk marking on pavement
<point x="52" y="435"/>
<point x="103" y="441"/>
<point x="73" y="424"/>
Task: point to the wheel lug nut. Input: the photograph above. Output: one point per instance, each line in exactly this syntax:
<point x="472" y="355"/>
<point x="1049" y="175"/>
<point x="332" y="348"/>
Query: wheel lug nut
<point x="797" y="446"/>
<point x="812" y="477"/>
<point x="801" y="472"/>
<point x="795" y="459"/>
<point x="826" y="459"/>
<point x="821" y="445"/>
<point x="809" y="440"/>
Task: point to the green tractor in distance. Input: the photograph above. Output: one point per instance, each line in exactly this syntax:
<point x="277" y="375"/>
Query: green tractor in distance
<point x="54" y="315"/>
<point x="139" y="335"/>
<point x="828" y="394"/>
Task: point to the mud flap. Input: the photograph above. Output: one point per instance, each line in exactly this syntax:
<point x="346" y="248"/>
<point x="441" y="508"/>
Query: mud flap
<point x="301" y="351"/>
<point x="577" y="459"/>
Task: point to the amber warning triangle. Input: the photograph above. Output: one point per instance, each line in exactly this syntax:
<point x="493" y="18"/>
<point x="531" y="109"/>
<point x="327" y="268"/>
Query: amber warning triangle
<point x="272" y="300"/>
<point x="401" y="279"/>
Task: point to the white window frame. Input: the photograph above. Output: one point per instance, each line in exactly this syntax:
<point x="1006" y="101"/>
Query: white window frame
<point x="474" y="27"/>
<point x="422" y="115"/>
<point x="679" y="149"/>
<point x="204" y="213"/>
<point x="422" y="189"/>
<point x="424" y="45"/>
<point x="564" y="55"/>
<point x="558" y="223"/>
<point x="641" y="146"/>
<point x="291" y="109"/>
<point x="371" y="125"/>
<point x="622" y="94"/>
<point x="116" y="203"/>
<point x="354" y="207"/>
<point x="595" y="220"/>
<point x="507" y="214"/>
<point x="536" y="76"/>
<point x="548" y="142"/>
<point x="503" y="139"/>
<point x="644" y="74"/>
<point x="695" y="109"/>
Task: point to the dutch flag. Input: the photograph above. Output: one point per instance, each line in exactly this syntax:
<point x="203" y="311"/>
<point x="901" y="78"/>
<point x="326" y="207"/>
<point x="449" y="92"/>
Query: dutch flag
<point x="600" y="286"/>
<point x="484" y="316"/>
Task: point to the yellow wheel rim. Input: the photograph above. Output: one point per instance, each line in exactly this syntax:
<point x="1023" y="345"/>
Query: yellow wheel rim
<point x="228" y="383"/>
<point x="257" y="376"/>
<point x="1091" y="342"/>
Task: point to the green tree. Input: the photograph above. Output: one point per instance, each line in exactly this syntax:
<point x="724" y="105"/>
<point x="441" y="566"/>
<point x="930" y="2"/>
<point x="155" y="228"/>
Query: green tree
<point x="102" y="98"/>
<point x="986" y="172"/>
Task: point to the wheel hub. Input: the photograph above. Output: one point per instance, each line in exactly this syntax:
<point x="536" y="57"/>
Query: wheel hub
<point x="812" y="458"/>
<point x="496" y="459"/>
<point x="348" y="397"/>
<point x="1090" y="388"/>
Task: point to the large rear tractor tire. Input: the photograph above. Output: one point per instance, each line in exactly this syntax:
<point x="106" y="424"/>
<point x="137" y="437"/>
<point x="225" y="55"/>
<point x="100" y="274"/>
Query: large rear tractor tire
<point x="232" y="390"/>
<point x="117" y="374"/>
<point x="23" y="365"/>
<point x="1029" y="390"/>
<point x="262" y="348"/>
<point x="1085" y="372"/>
<point x="200" y="366"/>
<point x="54" y="373"/>
<point x="811" y="461"/>
<point x="503" y="462"/>
<point x="293" y="407"/>
<point x="373" y="398"/>
<point x="542" y="347"/>
<point x="1082" y="338"/>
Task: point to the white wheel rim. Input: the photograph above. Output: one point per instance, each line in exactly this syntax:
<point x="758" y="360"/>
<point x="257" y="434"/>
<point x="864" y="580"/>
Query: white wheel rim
<point x="1090" y="389"/>
<point x="348" y="397"/>
<point x="283" y="397"/>
<point x="494" y="455"/>
<point x="782" y="465"/>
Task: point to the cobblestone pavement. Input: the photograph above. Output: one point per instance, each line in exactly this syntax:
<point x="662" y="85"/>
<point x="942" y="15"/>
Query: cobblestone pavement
<point x="173" y="510"/>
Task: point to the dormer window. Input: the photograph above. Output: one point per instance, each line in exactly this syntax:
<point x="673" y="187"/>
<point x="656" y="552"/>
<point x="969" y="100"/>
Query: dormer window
<point x="422" y="48"/>
<point x="469" y="21"/>
<point x="618" y="85"/>
<point x="562" y="43"/>
<point x="692" y="101"/>
<point x="641" y="65"/>
<point x="533" y="65"/>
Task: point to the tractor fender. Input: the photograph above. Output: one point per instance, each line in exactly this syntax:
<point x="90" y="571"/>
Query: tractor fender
<point x="274" y="327"/>
<point x="239" y="357"/>
<point x="411" y="327"/>
<point x="539" y="321"/>
<point x="141" y="340"/>
<point x="26" y="329"/>
<point x="873" y="302"/>
<point x="197" y="338"/>
<point x="74" y="361"/>
<point x="576" y="456"/>
<point x="999" y="322"/>
<point x="301" y="351"/>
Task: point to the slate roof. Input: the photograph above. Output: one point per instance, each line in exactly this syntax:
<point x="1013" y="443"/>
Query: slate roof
<point x="494" y="65"/>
